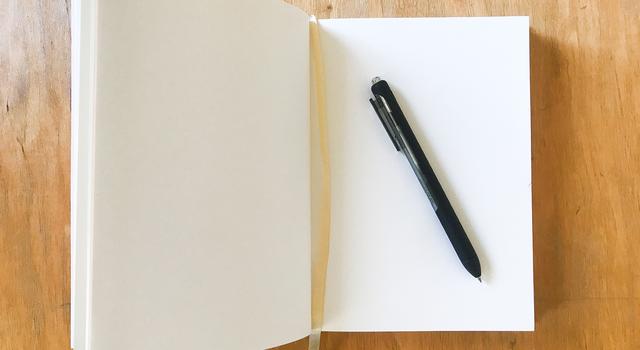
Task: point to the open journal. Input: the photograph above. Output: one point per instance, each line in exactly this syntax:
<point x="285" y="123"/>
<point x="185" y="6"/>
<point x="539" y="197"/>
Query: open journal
<point x="198" y="161"/>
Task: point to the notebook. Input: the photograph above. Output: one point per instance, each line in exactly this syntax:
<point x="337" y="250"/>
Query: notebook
<point x="225" y="153"/>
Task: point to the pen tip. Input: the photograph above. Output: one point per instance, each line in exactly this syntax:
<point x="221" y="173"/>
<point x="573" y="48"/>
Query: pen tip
<point x="480" y="279"/>
<point x="375" y="80"/>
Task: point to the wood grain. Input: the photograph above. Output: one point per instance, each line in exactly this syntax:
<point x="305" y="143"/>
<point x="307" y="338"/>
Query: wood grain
<point x="585" y="85"/>
<point x="34" y="174"/>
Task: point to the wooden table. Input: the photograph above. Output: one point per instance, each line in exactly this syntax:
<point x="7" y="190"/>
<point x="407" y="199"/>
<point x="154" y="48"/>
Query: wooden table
<point x="585" y="86"/>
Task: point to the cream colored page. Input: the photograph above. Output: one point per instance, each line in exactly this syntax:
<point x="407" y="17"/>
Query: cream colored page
<point x="201" y="236"/>
<point x="463" y="84"/>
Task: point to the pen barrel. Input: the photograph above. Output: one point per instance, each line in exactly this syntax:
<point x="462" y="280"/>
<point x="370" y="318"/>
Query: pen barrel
<point x="444" y="211"/>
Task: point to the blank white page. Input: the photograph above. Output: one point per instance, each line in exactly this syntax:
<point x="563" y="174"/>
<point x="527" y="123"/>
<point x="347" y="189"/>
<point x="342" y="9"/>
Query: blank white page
<point x="463" y="84"/>
<point x="201" y="236"/>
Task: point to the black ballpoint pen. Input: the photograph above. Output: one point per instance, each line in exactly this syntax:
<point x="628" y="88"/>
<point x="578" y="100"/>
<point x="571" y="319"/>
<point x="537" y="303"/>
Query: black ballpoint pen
<point x="396" y="125"/>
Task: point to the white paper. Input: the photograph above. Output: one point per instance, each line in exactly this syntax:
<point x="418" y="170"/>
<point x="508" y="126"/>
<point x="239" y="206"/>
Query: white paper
<point x="463" y="84"/>
<point x="201" y="235"/>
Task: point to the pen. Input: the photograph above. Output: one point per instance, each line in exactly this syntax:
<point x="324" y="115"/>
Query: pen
<point x="403" y="139"/>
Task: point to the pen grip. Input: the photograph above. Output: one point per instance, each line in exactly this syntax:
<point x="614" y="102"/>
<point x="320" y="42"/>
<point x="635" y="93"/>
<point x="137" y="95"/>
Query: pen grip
<point x="448" y="218"/>
<point x="458" y="237"/>
<point x="450" y="223"/>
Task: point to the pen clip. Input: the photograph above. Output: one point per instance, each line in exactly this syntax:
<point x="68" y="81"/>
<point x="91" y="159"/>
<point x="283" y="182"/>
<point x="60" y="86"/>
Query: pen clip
<point x="384" y="113"/>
